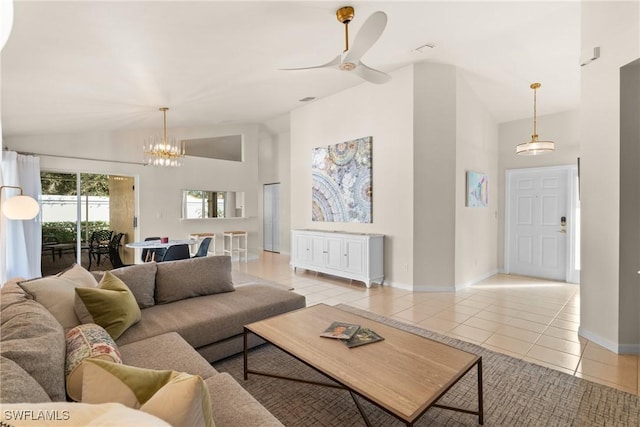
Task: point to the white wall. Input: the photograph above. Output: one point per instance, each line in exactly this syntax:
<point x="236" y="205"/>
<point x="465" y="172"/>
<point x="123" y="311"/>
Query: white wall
<point x="614" y="26"/>
<point x="434" y="168"/>
<point x="384" y="112"/>
<point x="629" y="318"/>
<point x="274" y="162"/>
<point x="428" y="128"/>
<point x="159" y="202"/>
<point x="476" y="150"/>
<point x="562" y="128"/>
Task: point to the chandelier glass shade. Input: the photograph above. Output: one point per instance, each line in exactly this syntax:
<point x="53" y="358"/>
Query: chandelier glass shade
<point x="163" y="151"/>
<point x="535" y="147"/>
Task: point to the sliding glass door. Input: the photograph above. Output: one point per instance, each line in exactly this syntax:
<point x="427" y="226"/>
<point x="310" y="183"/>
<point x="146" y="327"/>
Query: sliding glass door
<point x="74" y="206"/>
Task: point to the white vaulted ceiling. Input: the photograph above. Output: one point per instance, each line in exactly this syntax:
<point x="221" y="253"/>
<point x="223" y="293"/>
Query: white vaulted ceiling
<point x="78" y="66"/>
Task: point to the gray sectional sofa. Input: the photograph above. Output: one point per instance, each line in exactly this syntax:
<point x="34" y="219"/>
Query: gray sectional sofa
<point x="192" y="313"/>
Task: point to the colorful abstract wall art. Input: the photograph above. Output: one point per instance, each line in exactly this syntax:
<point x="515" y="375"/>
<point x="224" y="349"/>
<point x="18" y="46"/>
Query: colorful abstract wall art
<point x="341" y="182"/>
<point x="477" y="190"/>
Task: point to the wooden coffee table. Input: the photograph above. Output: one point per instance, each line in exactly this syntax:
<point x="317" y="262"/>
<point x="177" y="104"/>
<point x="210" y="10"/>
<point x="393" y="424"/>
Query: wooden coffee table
<point x="405" y="375"/>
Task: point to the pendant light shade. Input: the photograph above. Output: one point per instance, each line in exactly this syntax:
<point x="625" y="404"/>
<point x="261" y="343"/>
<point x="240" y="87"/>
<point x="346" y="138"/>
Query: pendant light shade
<point x="19" y="207"/>
<point x="535" y="147"/>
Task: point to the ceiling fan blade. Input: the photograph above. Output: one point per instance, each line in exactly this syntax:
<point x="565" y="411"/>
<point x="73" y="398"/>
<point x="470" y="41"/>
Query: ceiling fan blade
<point x="369" y="33"/>
<point x="335" y="62"/>
<point x="371" y="75"/>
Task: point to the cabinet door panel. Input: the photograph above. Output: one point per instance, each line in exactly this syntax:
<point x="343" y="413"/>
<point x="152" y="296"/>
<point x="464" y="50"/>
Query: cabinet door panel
<point x="318" y="250"/>
<point x="334" y="253"/>
<point x="355" y="255"/>
<point x="303" y="249"/>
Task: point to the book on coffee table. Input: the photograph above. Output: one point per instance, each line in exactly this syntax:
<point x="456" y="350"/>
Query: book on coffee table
<point x="340" y="330"/>
<point x="362" y="337"/>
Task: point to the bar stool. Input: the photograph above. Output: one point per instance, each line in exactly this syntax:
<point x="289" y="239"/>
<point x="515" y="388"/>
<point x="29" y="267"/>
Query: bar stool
<point x="239" y="249"/>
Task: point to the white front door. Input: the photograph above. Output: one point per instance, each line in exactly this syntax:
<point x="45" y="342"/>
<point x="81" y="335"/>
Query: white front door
<point x="537" y="222"/>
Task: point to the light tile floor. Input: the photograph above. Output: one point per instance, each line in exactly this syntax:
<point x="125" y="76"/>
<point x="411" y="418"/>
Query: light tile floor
<point x="530" y="319"/>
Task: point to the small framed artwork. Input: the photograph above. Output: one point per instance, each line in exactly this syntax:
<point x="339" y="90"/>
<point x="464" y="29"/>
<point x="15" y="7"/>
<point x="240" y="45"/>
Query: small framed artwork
<point x="477" y="190"/>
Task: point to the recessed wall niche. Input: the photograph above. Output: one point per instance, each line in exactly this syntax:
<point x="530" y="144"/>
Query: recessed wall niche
<point x="219" y="147"/>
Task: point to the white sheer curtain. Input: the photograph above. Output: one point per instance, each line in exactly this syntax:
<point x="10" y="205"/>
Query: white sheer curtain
<point x="21" y="241"/>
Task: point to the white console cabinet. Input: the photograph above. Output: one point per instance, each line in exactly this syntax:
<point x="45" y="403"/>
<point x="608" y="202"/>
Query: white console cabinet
<point x="351" y="255"/>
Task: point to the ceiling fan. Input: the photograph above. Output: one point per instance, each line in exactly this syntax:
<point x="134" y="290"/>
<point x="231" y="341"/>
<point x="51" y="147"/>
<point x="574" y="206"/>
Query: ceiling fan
<point x="349" y="59"/>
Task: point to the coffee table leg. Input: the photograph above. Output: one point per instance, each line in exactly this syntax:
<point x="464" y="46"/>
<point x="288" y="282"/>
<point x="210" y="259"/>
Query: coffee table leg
<point x="480" y="400"/>
<point x="246" y="354"/>
<point x="364" y="416"/>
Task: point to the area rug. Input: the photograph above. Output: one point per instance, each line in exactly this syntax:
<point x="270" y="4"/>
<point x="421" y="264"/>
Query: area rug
<point x="516" y="393"/>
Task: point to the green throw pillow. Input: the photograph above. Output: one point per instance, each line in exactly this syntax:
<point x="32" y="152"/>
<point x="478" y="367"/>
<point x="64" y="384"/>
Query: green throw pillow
<point x="178" y="398"/>
<point x="110" y="305"/>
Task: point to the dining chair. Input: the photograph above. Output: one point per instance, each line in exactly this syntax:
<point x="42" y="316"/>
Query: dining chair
<point x="203" y="249"/>
<point x="99" y="245"/>
<point x="152" y="254"/>
<point x="176" y="252"/>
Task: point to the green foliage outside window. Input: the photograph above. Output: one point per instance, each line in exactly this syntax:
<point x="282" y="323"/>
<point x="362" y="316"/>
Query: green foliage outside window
<point x="65" y="231"/>
<point x="64" y="184"/>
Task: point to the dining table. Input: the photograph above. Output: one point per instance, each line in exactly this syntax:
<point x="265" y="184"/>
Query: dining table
<point x="157" y="244"/>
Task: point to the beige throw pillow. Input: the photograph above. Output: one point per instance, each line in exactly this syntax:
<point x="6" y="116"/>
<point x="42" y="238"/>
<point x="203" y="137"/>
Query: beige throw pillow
<point x="57" y="293"/>
<point x="176" y="397"/>
<point x="111" y="305"/>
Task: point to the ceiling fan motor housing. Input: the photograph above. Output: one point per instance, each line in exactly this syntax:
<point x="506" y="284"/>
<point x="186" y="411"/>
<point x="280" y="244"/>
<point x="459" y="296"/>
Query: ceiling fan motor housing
<point x="345" y="14"/>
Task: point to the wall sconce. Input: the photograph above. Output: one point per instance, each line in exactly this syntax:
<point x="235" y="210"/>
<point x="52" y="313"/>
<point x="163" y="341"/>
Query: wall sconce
<point x="19" y="207"/>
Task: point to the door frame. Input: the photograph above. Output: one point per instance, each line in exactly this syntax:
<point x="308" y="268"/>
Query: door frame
<point x="264" y="215"/>
<point x="572" y="275"/>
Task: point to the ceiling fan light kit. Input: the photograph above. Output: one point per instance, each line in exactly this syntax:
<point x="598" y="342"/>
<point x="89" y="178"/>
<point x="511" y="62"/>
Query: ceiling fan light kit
<point x="349" y="60"/>
<point x="535" y="147"/>
<point x="163" y="151"/>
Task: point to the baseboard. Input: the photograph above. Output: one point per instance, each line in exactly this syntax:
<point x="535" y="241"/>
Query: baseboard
<point x="476" y="280"/>
<point x="629" y="349"/>
<point x="609" y="345"/>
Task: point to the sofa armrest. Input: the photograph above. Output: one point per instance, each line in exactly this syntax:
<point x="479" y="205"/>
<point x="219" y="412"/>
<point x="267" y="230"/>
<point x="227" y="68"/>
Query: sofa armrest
<point x="232" y="405"/>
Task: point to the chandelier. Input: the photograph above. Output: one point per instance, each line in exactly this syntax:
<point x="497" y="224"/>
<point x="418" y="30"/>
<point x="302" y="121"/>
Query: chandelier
<point x="163" y="151"/>
<point x="535" y="147"/>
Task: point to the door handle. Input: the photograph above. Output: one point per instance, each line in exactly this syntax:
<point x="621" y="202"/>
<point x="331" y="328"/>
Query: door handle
<point x="563" y="231"/>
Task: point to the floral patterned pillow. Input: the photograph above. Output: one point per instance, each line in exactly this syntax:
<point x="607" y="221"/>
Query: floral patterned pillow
<point x="86" y="341"/>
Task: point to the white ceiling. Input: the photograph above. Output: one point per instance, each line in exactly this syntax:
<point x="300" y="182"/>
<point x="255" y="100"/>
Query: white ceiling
<point x="72" y="66"/>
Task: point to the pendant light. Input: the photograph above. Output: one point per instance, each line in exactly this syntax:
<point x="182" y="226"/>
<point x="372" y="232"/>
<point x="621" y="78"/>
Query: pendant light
<point x="162" y="151"/>
<point x="535" y="147"/>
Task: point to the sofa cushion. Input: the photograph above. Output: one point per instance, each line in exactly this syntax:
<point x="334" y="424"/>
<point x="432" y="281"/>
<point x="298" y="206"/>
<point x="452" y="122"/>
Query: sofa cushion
<point x="140" y="278"/>
<point x="32" y="338"/>
<point x="166" y="351"/>
<point x="245" y="410"/>
<point x="18" y="386"/>
<point x="177" y="280"/>
<point x="111" y="305"/>
<point x="212" y="318"/>
<point x="72" y="414"/>
<point x="178" y="398"/>
<point x="57" y="294"/>
<point x="86" y="341"/>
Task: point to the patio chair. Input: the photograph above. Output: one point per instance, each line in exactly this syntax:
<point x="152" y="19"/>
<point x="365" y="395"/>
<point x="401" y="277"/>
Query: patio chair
<point x="114" y="251"/>
<point x="99" y="245"/>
